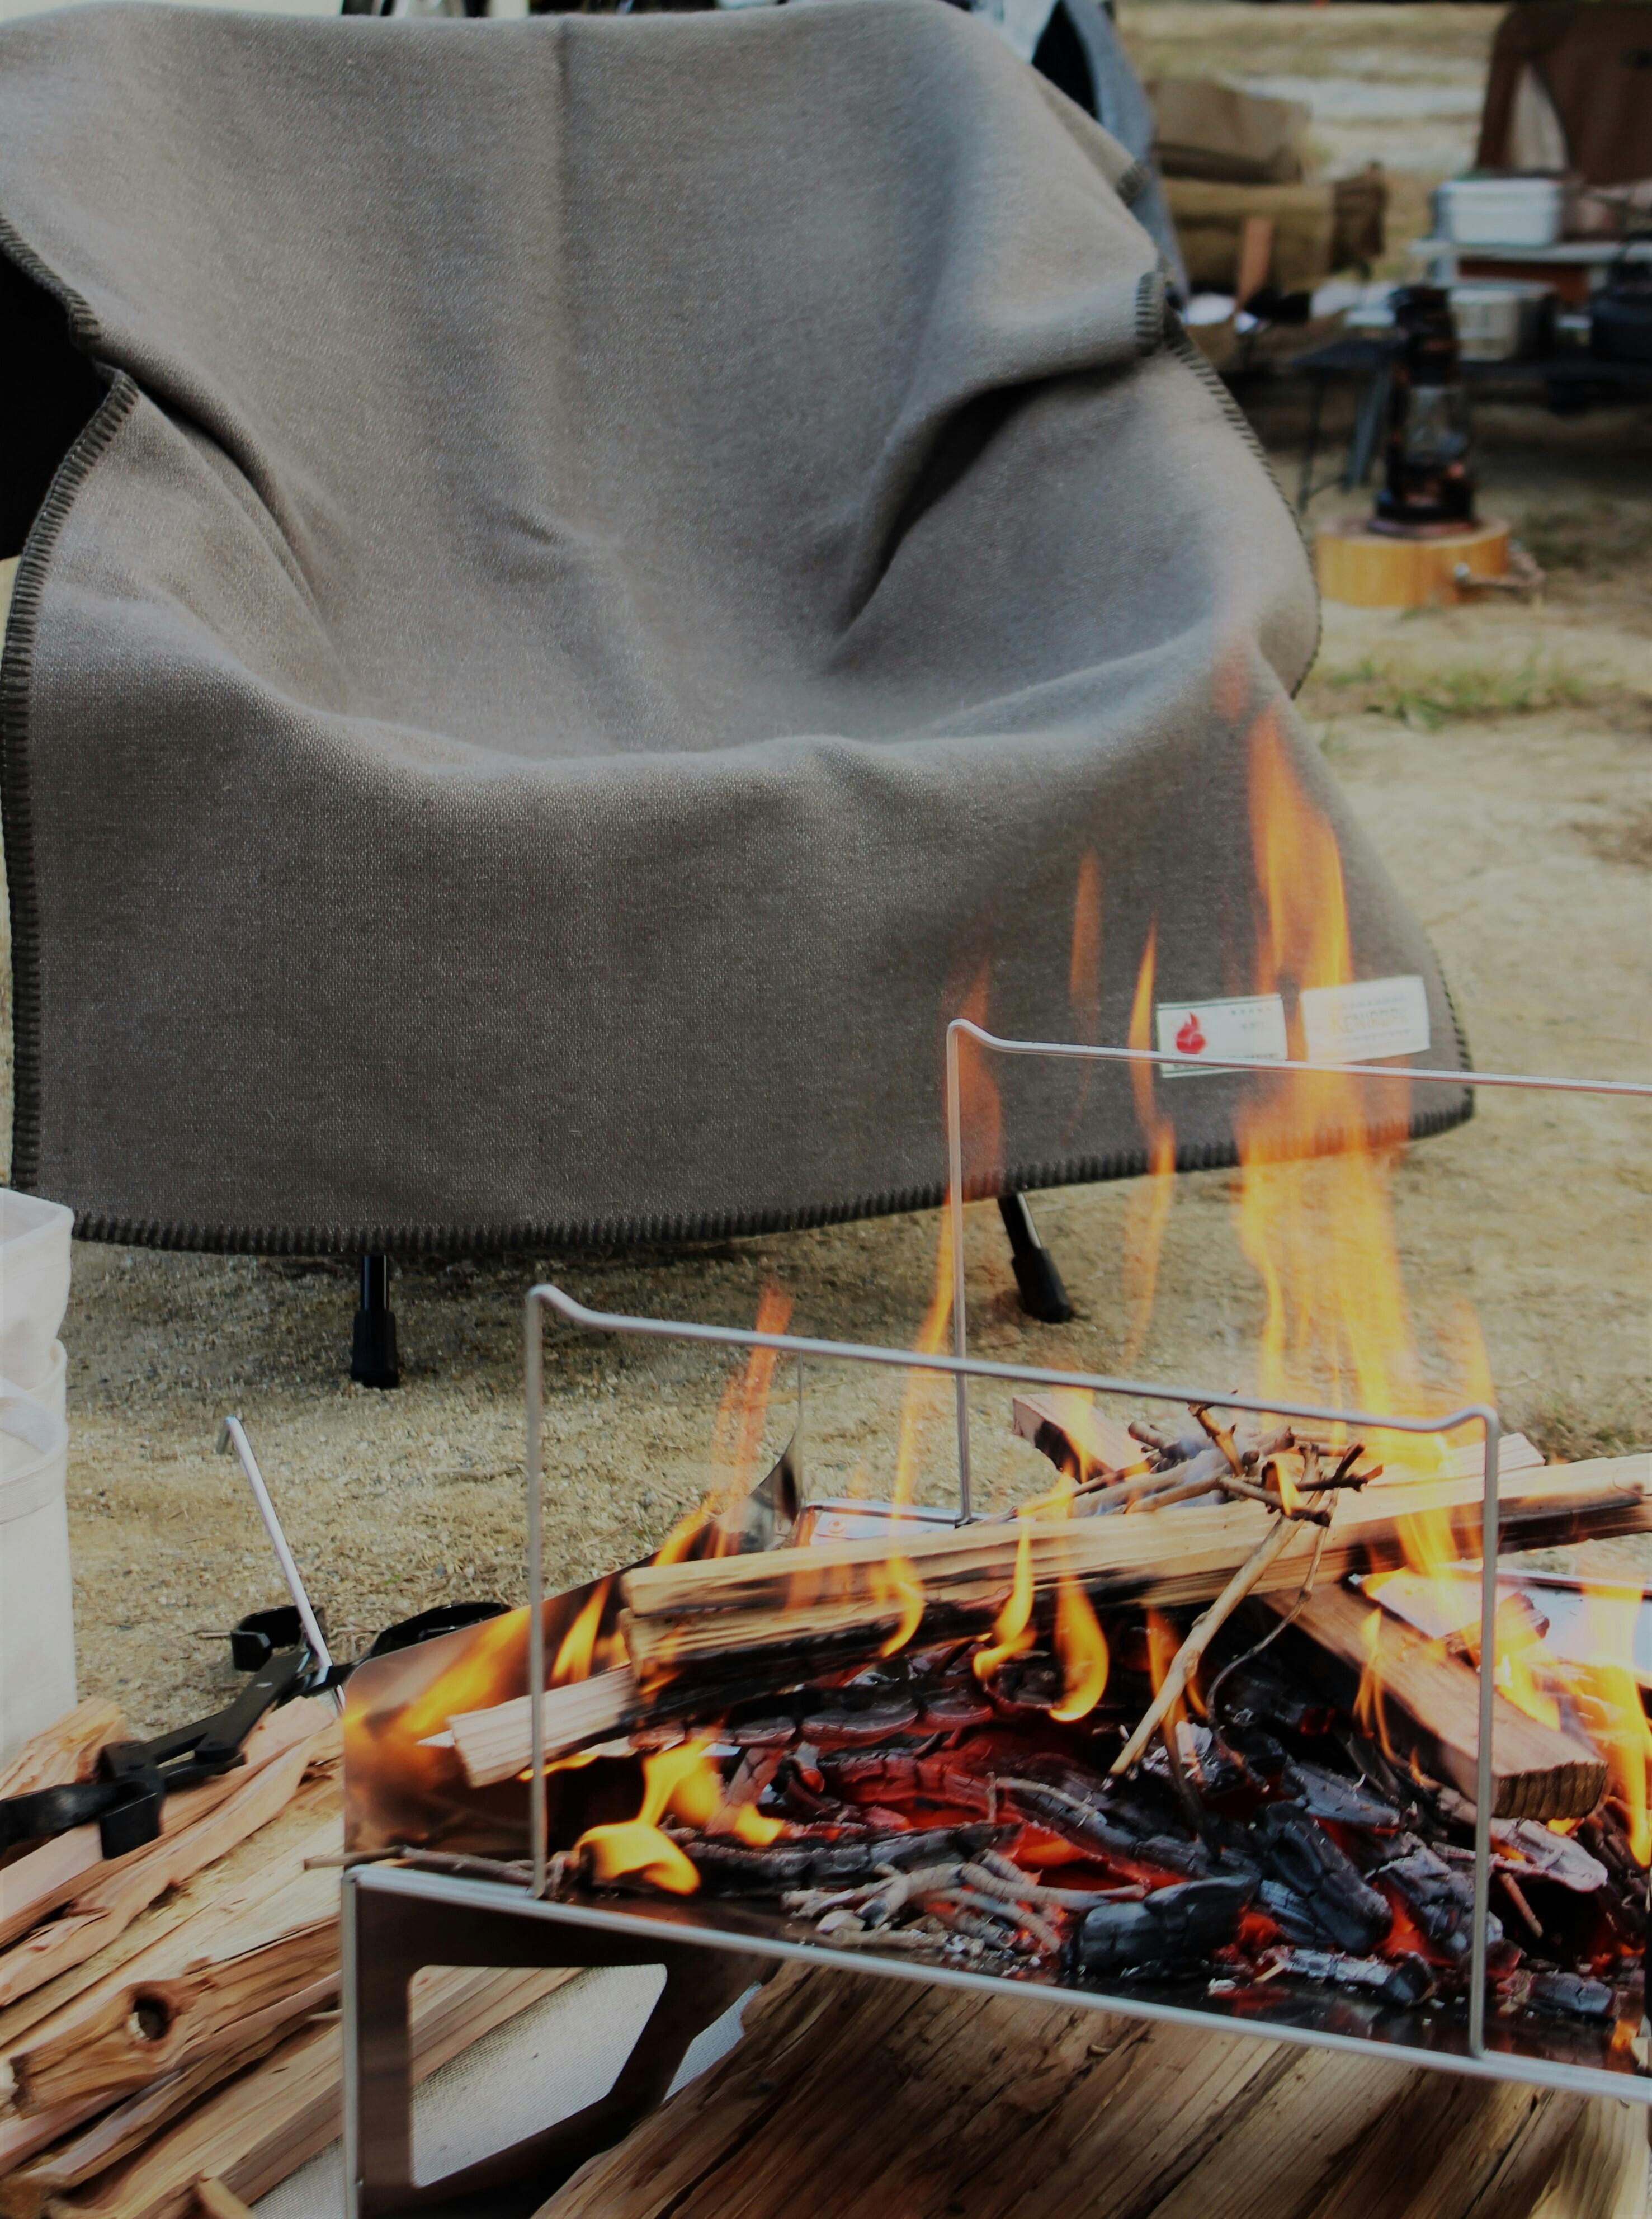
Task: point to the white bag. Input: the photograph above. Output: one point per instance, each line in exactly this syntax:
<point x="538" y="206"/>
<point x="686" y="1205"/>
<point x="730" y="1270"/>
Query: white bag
<point x="37" y="1631"/>
<point x="34" y="1286"/>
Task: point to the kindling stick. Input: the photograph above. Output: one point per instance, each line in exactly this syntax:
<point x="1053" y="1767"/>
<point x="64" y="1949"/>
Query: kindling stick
<point x="1203" y="1632"/>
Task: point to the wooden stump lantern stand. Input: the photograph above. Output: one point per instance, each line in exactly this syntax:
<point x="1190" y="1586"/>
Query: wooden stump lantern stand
<point x="1372" y="569"/>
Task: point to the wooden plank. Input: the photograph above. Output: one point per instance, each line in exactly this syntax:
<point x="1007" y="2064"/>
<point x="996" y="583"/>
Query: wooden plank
<point x="65" y="1751"/>
<point x="160" y="2008"/>
<point x="264" y="2125"/>
<point x="1430" y="1701"/>
<point x="790" y="1604"/>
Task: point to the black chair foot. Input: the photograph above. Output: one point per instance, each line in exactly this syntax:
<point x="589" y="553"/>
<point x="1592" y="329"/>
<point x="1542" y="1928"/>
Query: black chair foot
<point x="373" y="1347"/>
<point x="1042" y="1294"/>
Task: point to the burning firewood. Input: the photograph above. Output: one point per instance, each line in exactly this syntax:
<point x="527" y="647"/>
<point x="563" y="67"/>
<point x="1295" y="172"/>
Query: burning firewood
<point x="794" y="1610"/>
<point x="1539" y="1771"/>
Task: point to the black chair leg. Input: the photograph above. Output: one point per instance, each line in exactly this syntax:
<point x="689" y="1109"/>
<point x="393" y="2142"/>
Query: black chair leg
<point x="1042" y="1294"/>
<point x="373" y="1348"/>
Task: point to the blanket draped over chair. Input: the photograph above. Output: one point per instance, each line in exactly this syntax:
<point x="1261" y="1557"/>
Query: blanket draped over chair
<point x="623" y="571"/>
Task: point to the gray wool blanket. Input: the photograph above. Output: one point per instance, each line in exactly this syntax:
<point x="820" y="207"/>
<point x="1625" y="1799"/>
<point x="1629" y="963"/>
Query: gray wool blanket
<point x="624" y="571"/>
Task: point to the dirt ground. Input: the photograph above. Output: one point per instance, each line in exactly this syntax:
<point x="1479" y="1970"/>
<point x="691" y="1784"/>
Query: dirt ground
<point x="1502" y="759"/>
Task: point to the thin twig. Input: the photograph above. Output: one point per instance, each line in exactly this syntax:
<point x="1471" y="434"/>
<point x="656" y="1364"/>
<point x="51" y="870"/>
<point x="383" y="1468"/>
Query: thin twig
<point x="1201" y="1635"/>
<point x="1247" y="1656"/>
<point x="1222" y="1436"/>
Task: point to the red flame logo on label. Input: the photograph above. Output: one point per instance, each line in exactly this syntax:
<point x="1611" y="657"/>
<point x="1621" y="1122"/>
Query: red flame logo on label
<point x="1190" y="1040"/>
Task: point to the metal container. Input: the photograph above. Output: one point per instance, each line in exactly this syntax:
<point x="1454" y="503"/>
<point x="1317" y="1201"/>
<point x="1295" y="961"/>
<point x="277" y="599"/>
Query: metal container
<point x="1506" y="321"/>
<point x="1500" y="211"/>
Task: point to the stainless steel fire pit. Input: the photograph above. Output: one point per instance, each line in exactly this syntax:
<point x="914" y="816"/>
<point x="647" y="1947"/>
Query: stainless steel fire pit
<point x="470" y="1884"/>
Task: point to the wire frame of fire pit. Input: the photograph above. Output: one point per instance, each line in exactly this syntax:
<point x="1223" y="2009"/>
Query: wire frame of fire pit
<point x="1439" y="2038"/>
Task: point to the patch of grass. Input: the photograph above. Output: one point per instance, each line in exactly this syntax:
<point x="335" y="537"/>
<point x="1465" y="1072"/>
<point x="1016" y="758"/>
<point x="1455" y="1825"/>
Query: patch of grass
<point x="1427" y="700"/>
<point x="1599" y="541"/>
<point x="1571" y="1430"/>
<point x="1625" y="840"/>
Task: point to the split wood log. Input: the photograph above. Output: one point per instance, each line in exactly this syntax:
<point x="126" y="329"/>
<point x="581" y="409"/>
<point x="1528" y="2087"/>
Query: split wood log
<point x="121" y="2038"/>
<point x="792" y="1608"/>
<point x="311" y="1824"/>
<point x="255" y="1953"/>
<point x="1082" y="1440"/>
<point x="113" y="1894"/>
<point x="65" y="1751"/>
<point x="252" y="2134"/>
<point x="116" y="2133"/>
<point x="44" y="1879"/>
<point x="217" y="2201"/>
<point x="1537" y="1771"/>
<point x="496" y="1744"/>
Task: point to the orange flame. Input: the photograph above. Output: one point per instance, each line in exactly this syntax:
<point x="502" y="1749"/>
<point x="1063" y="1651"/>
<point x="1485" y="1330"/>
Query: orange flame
<point x="737" y="1440"/>
<point x="1085" y="979"/>
<point x="896" y="1580"/>
<point x="1084" y="966"/>
<point x="929" y="1394"/>
<point x="578" y="1644"/>
<point x="472" y="1682"/>
<point x="1163" y="1643"/>
<point x="1368" y="1710"/>
<point x="1012" y="1628"/>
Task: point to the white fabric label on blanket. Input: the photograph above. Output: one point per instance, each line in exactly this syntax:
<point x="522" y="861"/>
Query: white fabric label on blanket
<point x="1373" y="1018"/>
<point x="1251" y="1025"/>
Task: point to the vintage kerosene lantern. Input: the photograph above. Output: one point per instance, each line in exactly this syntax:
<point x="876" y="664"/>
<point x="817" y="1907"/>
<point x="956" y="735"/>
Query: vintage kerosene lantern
<point x="1430" y="486"/>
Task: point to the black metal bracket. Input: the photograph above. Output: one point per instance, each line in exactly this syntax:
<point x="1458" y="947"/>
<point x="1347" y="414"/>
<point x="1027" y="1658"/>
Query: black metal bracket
<point x="388" y="1938"/>
<point x="1043" y="1296"/>
<point x="373" y="1361"/>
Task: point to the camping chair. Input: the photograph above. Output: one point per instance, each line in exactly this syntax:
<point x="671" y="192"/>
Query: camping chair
<point x="611" y="578"/>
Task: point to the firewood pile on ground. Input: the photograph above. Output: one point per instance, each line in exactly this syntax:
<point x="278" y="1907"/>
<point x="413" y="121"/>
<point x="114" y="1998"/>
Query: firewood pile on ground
<point x="169" y="2040"/>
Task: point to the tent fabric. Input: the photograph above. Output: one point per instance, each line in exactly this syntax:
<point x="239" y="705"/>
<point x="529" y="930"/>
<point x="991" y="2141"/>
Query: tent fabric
<point x="1594" y="61"/>
<point x="625" y="572"/>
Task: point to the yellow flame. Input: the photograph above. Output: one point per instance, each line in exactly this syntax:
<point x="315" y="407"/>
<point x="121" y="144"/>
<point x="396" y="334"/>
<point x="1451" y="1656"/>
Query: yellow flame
<point x="1163" y="1643"/>
<point x="1081" y="1646"/>
<point x="1624" y="1736"/>
<point x="737" y="1438"/>
<point x="681" y="1779"/>
<point x="1011" y="1628"/>
<point x="896" y="1580"/>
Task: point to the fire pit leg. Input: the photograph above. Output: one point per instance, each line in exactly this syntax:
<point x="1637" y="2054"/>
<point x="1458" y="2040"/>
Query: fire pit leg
<point x="1042" y="1294"/>
<point x="373" y="1347"/>
<point x="396" y="1921"/>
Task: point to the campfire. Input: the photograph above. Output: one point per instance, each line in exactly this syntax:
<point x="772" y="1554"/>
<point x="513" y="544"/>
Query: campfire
<point x="1199" y="1721"/>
